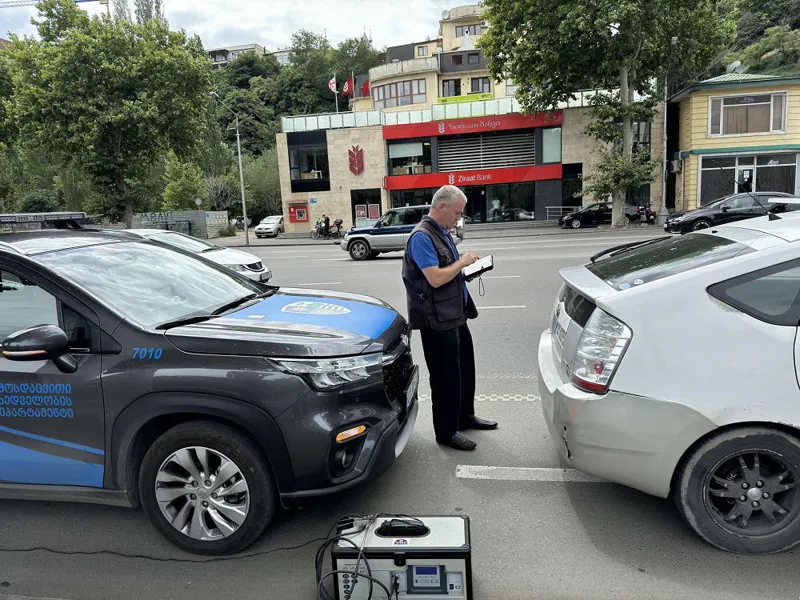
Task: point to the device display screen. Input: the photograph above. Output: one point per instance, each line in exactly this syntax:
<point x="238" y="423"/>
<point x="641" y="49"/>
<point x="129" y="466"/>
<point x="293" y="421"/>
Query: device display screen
<point x="427" y="577"/>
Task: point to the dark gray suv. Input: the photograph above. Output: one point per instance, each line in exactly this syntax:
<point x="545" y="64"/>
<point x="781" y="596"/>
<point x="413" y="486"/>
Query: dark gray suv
<point x="135" y="374"/>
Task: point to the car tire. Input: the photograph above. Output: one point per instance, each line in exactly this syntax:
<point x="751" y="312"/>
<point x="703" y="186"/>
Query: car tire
<point x="359" y="250"/>
<point x="701" y="224"/>
<point x="162" y="466"/>
<point x="575" y="223"/>
<point x="715" y="470"/>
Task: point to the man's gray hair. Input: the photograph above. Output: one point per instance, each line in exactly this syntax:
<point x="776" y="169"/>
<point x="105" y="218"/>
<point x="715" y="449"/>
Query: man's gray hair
<point x="446" y="195"/>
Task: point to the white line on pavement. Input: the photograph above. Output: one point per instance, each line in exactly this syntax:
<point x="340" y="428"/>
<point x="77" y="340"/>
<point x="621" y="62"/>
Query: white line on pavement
<point x="7" y="597"/>
<point x="523" y="474"/>
<point x="519" y="306"/>
<point x="319" y="283"/>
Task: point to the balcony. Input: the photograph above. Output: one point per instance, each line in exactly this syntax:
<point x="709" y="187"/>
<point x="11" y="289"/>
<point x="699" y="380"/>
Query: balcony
<point x="404" y="67"/>
<point x="464" y="60"/>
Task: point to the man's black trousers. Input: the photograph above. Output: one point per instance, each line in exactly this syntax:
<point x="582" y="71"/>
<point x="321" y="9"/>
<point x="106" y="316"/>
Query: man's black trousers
<point x="450" y="357"/>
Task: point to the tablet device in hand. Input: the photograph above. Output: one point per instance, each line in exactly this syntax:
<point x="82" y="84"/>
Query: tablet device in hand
<point x="479" y="267"/>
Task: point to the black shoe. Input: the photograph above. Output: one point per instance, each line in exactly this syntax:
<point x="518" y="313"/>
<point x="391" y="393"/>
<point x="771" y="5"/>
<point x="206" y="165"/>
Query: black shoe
<point x="474" y="422"/>
<point x="459" y="442"/>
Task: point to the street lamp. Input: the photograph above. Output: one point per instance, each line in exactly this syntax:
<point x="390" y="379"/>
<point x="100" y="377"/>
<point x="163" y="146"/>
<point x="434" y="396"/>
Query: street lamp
<point x="241" y="173"/>
<point x="663" y="213"/>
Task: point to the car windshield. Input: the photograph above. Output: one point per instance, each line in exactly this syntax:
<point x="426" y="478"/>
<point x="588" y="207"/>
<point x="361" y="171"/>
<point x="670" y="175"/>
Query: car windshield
<point x="184" y="242"/>
<point x="148" y="283"/>
<point x="271" y="220"/>
<point x="664" y="258"/>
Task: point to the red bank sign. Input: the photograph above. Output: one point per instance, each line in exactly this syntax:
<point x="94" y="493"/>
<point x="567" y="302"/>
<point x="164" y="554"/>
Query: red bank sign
<point x="473" y="125"/>
<point x="480" y="177"/>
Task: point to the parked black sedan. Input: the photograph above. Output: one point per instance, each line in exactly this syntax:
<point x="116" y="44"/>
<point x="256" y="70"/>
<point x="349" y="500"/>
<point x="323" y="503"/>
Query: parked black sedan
<point x="727" y="210"/>
<point x="596" y="214"/>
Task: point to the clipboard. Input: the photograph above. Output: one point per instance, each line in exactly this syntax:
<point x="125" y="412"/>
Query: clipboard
<point x="478" y="268"/>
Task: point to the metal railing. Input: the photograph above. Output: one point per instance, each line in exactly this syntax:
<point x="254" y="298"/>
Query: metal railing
<point x="554" y="213"/>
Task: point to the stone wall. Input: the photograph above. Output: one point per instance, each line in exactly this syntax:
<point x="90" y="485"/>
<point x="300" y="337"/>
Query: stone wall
<point x="197" y="223"/>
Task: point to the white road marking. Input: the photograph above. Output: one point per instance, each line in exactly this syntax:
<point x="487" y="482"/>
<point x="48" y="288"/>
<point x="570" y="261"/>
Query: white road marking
<point x="492" y="397"/>
<point x="288" y="256"/>
<point x="319" y="283"/>
<point x="524" y="474"/>
<point x="517" y="306"/>
<point x="7" y="597"/>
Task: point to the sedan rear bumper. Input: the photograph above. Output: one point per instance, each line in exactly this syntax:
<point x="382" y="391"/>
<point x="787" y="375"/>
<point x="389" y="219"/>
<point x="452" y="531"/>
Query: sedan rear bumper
<point x="624" y="438"/>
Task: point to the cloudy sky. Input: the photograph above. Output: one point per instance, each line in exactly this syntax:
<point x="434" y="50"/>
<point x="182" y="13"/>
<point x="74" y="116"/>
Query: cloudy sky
<point x="271" y="22"/>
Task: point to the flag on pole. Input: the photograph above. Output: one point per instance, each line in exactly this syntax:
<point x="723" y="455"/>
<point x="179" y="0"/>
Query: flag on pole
<point x="348" y="87"/>
<point x="332" y="84"/>
<point x="365" y="89"/>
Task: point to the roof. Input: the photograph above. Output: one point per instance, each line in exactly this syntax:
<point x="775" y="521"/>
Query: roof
<point x="735" y="80"/>
<point x="4" y="42"/>
<point x="31" y="243"/>
<point x="786" y="228"/>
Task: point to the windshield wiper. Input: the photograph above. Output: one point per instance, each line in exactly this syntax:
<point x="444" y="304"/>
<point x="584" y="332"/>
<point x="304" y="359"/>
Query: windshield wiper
<point x="625" y="247"/>
<point x="184" y="321"/>
<point x="240" y="301"/>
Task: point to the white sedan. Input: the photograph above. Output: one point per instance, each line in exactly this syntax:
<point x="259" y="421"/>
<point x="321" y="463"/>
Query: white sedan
<point x="270" y="226"/>
<point x="672" y="367"/>
<point x="245" y="263"/>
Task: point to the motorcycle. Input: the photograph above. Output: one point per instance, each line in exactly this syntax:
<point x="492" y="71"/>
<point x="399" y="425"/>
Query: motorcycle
<point x="335" y="230"/>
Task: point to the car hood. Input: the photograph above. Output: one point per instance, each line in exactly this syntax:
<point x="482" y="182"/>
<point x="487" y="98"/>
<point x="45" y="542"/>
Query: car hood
<point x="364" y="229"/>
<point x="228" y="256"/>
<point x="267" y="225"/>
<point x="295" y="323"/>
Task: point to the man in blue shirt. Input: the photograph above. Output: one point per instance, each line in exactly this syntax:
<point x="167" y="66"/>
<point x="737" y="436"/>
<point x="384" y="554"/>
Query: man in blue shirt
<point x="439" y="305"/>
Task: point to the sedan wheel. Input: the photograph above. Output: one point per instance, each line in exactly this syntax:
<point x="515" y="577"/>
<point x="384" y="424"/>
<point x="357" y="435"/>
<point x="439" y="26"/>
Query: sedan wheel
<point x="739" y="491"/>
<point x="575" y="223"/>
<point x="701" y="224"/>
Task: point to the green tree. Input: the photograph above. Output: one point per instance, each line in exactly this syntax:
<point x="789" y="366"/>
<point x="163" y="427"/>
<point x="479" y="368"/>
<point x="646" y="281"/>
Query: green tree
<point x="263" y="186"/>
<point x="248" y="65"/>
<point x="184" y="185"/>
<point x="552" y="46"/>
<point x="39" y="201"/>
<point x="777" y="53"/>
<point x="224" y="191"/>
<point x="110" y="95"/>
<point x="257" y="122"/>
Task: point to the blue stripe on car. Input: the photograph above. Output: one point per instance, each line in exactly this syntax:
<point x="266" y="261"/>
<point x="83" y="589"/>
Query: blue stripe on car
<point x="22" y="465"/>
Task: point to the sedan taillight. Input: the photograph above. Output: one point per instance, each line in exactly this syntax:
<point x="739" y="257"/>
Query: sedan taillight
<point x="600" y="349"/>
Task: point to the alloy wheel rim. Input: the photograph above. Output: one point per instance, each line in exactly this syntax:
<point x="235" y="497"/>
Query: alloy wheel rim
<point x="202" y="493"/>
<point x="752" y="493"/>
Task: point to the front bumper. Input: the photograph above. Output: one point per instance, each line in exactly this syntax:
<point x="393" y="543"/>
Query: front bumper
<point x="260" y="276"/>
<point x="627" y="439"/>
<point x="675" y="227"/>
<point x="309" y="427"/>
<point x="344" y="243"/>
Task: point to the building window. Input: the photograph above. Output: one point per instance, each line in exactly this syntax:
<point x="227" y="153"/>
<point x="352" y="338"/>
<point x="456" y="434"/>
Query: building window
<point x="511" y="87"/>
<point x="451" y="87"/>
<point x="473" y="58"/>
<point x="746" y="115"/>
<point x="462" y="30"/>
<point x="722" y="176"/>
<point x="308" y="161"/>
<point x="422" y="51"/>
<point x="410" y="157"/>
<point x="402" y="93"/>
<point x="457" y="59"/>
<point x="480" y="85"/>
<point x="551" y="145"/>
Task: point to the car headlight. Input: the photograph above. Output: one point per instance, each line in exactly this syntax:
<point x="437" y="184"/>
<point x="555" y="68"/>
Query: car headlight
<point x="328" y="374"/>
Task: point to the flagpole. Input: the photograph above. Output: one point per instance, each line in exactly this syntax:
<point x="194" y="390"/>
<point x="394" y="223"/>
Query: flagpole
<point x="335" y="94"/>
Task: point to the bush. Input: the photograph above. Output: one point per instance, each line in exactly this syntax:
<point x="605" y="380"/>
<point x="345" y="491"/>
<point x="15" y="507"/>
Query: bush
<point x="36" y="201"/>
<point x="227" y="230"/>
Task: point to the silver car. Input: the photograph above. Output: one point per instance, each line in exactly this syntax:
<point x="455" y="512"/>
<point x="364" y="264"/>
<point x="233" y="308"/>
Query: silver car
<point x="244" y="263"/>
<point x="270" y="226"/>
<point x="670" y="366"/>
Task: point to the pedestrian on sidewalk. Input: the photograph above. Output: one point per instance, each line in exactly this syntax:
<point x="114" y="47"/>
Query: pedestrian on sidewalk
<point x="439" y="305"/>
<point x="326" y="226"/>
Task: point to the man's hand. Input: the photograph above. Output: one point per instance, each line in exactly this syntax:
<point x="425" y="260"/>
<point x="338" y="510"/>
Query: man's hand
<point x="468" y="258"/>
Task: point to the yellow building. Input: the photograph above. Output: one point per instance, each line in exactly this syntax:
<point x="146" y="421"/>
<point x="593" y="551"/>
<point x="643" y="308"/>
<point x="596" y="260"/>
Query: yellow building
<point x="737" y="132"/>
<point x="450" y="69"/>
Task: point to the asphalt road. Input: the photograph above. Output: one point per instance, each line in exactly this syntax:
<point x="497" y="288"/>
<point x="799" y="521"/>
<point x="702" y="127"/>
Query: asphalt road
<point x="544" y="539"/>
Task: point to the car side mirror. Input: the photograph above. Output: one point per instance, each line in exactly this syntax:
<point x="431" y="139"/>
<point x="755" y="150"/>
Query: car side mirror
<point x="43" y="342"/>
<point x="726" y="208"/>
<point x="379" y="224"/>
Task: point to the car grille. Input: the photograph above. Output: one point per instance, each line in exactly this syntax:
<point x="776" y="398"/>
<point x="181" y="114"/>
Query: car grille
<point x="257" y="266"/>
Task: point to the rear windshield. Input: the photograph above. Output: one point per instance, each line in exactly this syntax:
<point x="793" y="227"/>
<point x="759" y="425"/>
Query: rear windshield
<point x="664" y="258"/>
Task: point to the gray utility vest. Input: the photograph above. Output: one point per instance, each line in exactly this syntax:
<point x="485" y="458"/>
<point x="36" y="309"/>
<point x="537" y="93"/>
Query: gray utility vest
<point x="439" y="308"/>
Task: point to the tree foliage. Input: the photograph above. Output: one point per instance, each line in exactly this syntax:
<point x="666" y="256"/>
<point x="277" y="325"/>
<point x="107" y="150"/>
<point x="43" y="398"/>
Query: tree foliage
<point x="248" y="65"/>
<point x="184" y="185"/>
<point x="555" y="47"/>
<point x="111" y="95"/>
